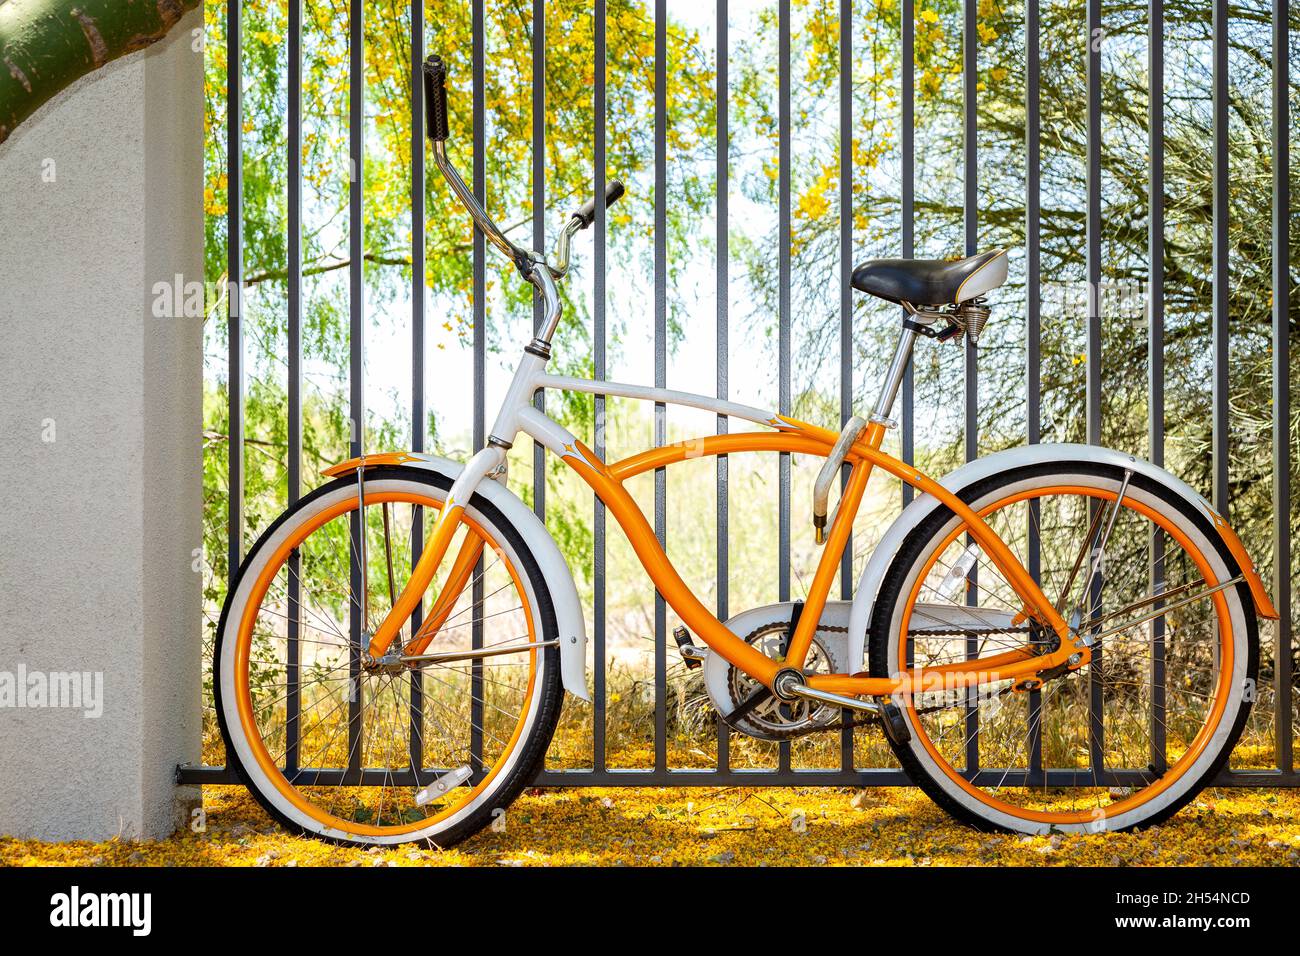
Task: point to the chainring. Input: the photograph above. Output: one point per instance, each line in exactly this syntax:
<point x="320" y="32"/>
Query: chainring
<point x="773" y="718"/>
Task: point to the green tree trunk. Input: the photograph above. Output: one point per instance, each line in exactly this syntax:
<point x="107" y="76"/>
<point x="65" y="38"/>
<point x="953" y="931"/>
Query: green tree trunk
<point x="45" y="45"/>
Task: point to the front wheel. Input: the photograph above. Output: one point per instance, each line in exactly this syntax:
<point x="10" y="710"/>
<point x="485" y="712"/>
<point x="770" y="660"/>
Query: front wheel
<point x="1123" y="741"/>
<point x="369" y="752"/>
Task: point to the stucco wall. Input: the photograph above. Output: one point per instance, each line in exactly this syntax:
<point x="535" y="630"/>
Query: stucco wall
<point x="101" y="198"/>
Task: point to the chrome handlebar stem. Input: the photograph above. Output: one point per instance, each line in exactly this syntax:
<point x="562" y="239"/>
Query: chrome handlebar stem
<point x="531" y="265"/>
<point x="553" y="308"/>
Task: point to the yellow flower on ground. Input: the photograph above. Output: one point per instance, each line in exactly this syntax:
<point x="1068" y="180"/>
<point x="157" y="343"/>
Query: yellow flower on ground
<point x="728" y="826"/>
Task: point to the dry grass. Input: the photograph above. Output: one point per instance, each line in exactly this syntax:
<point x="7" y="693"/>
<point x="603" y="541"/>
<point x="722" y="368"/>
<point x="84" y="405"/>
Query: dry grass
<point x="737" y="827"/>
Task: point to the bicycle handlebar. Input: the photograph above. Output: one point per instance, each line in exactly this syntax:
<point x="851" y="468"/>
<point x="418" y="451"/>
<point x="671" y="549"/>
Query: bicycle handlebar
<point x="587" y="214"/>
<point x="435" y="98"/>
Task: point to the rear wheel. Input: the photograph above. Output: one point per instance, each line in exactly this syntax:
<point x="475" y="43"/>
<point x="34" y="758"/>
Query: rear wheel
<point x="355" y="751"/>
<point x="1121" y="742"/>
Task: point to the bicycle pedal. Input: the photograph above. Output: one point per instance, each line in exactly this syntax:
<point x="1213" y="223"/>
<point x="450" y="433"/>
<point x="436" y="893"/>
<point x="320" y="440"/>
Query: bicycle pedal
<point x="692" y="656"/>
<point x="891" y="718"/>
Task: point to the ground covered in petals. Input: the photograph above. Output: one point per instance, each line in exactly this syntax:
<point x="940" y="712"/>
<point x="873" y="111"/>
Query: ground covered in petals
<point x="721" y="827"/>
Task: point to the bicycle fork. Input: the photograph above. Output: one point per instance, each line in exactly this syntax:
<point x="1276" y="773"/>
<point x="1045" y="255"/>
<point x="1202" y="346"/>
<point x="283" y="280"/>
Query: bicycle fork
<point x="489" y="461"/>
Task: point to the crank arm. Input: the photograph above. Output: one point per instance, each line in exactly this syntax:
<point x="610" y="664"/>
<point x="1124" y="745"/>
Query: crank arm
<point x="749" y="703"/>
<point x="839" y="700"/>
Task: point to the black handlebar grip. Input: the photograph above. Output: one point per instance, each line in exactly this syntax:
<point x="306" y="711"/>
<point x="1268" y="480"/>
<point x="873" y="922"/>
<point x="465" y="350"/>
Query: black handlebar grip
<point x="587" y="214"/>
<point x="435" y="98"/>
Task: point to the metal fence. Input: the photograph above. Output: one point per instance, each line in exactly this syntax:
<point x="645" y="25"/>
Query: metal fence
<point x="661" y="774"/>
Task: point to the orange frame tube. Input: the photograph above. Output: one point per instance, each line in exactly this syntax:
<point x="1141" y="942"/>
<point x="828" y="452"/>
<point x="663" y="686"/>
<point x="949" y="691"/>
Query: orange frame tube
<point x="607" y="481"/>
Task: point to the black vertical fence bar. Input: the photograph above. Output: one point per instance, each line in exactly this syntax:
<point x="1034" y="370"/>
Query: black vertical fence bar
<point x="356" y="384"/>
<point x="234" y="289"/>
<point x="1281" y="388"/>
<point x="970" y="226"/>
<point x="598" y="342"/>
<point x="1219" y="259"/>
<point x="1092" y="225"/>
<point x="846" y="304"/>
<point x="1092" y="266"/>
<point x="478" y="54"/>
<point x="907" y="213"/>
<point x="661" y="366"/>
<point x="539" y="221"/>
<point x="1156" y="350"/>
<point x="1033" y="330"/>
<point x="783" y="294"/>
<point x="723" y="174"/>
<point x="293" y="282"/>
<point x="415" y="731"/>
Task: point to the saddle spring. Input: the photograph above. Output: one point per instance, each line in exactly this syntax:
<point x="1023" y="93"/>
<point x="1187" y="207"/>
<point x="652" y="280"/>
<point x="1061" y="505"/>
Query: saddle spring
<point x="971" y="316"/>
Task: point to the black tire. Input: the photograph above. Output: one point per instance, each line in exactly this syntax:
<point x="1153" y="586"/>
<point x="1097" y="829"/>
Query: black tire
<point x="551" y="693"/>
<point x="913" y="549"/>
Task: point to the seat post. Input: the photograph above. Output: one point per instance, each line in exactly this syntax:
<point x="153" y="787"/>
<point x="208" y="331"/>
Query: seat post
<point x="894" y="377"/>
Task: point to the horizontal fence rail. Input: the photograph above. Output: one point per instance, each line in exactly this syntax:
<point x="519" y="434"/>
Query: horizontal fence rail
<point x="1090" y="64"/>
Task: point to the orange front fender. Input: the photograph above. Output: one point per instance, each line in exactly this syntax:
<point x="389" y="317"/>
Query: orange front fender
<point x="370" y="461"/>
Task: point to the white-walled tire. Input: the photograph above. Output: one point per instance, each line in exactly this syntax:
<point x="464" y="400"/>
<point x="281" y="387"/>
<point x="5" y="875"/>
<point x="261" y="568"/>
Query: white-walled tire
<point x="518" y="695"/>
<point x="996" y="784"/>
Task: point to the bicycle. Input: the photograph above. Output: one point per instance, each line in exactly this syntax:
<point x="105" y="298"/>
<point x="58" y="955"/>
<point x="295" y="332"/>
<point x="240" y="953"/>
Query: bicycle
<point x="1056" y="637"/>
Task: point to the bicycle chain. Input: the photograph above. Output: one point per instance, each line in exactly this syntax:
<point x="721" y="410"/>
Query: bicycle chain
<point x="935" y="708"/>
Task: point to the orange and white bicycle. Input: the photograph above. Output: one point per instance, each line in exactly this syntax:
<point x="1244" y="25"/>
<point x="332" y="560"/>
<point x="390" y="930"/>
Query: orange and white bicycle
<point x="371" y="698"/>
